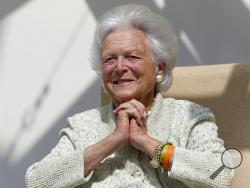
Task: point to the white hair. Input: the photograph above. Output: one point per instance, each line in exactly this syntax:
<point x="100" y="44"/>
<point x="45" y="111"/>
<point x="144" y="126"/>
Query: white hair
<point x="162" y="40"/>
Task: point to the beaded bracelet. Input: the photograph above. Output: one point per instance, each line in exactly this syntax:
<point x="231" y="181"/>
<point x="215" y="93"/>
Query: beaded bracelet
<point x="155" y="160"/>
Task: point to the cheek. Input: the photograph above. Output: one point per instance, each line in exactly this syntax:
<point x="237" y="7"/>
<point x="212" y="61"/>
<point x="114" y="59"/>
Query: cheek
<point x="143" y="70"/>
<point x="107" y="72"/>
<point x="147" y="73"/>
<point x="137" y="69"/>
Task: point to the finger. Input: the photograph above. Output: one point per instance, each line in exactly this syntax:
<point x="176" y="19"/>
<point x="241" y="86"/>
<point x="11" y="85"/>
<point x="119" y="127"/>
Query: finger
<point x="133" y="123"/>
<point x="122" y="114"/>
<point x="132" y="104"/>
<point x="129" y="107"/>
<point x="133" y="113"/>
<point x="134" y="126"/>
<point x="139" y="106"/>
<point x="122" y="106"/>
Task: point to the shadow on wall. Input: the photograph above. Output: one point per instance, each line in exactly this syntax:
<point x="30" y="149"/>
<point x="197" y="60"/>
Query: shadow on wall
<point x="49" y="140"/>
<point x="8" y="6"/>
<point x="1" y="58"/>
<point x="219" y="30"/>
<point x="104" y="6"/>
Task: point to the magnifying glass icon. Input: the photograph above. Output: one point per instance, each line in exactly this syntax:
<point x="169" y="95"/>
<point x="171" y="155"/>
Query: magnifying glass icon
<point x="230" y="158"/>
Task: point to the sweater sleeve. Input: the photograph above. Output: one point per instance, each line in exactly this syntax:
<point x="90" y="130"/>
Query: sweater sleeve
<point x="198" y="154"/>
<point x="63" y="167"/>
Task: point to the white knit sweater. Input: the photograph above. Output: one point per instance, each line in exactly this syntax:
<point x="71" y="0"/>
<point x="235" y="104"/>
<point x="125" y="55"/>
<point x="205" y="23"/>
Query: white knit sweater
<point x="188" y="126"/>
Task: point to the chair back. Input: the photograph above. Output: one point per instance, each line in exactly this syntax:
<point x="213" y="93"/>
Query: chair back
<point x="225" y="89"/>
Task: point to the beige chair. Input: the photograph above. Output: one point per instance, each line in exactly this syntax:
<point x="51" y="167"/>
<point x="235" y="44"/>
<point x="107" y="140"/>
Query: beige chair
<point x="225" y="89"/>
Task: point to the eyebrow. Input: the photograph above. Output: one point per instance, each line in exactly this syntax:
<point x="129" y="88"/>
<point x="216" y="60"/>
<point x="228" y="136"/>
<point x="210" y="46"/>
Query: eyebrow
<point x="130" y="51"/>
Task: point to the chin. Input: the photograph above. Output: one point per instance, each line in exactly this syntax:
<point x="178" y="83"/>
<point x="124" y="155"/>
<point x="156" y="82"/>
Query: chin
<point x="123" y="97"/>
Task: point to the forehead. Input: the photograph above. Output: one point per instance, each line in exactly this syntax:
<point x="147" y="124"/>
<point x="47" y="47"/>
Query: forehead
<point x="129" y="39"/>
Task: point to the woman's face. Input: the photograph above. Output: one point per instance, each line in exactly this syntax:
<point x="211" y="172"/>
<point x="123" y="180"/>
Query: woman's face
<point x="128" y="68"/>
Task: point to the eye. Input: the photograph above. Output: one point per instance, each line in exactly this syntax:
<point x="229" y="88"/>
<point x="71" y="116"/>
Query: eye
<point x="133" y="58"/>
<point x="109" y="60"/>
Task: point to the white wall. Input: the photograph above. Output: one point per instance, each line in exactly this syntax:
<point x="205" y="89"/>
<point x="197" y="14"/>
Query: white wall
<point x="45" y="74"/>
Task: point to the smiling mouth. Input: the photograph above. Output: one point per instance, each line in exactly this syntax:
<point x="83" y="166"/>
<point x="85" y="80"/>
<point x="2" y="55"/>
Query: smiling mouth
<point x="123" y="81"/>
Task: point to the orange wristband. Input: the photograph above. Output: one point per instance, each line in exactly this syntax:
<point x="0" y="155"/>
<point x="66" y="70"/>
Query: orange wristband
<point x="167" y="157"/>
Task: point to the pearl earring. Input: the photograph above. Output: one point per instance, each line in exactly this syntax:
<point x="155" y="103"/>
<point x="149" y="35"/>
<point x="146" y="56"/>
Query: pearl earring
<point x="158" y="78"/>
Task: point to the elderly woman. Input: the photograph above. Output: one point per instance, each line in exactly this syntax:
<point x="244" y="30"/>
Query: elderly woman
<point x="140" y="139"/>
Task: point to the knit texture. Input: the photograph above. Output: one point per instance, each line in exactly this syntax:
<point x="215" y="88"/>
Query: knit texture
<point x="190" y="127"/>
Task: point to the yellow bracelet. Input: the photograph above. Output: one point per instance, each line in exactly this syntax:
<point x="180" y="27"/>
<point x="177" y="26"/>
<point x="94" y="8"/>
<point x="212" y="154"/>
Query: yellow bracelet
<point x="163" y="153"/>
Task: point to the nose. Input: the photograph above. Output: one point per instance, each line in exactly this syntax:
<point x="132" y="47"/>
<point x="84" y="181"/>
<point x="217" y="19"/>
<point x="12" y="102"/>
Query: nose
<point x="120" y="65"/>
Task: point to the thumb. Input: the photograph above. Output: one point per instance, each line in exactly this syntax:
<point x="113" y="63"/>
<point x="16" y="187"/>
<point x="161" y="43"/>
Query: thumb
<point x="132" y="122"/>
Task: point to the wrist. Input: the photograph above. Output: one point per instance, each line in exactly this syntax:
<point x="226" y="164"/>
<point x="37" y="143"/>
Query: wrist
<point x="121" y="139"/>
<point x="146" y="144"/>
<point x="163" y="156"/>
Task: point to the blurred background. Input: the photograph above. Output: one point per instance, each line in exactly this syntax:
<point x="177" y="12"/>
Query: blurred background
<point x="45" y="75"/>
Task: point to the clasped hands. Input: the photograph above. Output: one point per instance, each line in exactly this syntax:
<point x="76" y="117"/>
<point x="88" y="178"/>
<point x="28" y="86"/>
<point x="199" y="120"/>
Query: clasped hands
<point x="131" y="124"/>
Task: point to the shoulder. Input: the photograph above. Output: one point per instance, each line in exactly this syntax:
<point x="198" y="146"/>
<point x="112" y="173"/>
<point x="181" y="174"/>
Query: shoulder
<point x="86" y="127"/>
<point x="94" y="115"/>
<point x="188" y="110"/>
<point x="190" y="118"/>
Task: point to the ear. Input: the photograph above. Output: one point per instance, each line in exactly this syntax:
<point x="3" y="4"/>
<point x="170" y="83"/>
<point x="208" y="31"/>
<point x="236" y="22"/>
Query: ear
<point x="161" y="69"/>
